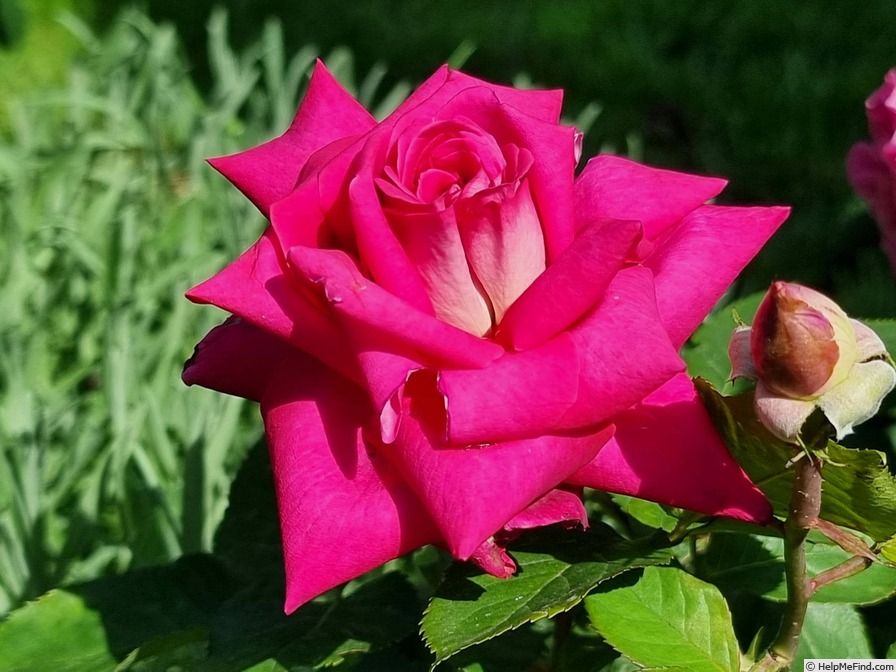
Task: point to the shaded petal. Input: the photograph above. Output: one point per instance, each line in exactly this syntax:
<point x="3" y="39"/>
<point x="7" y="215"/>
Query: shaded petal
<point x="378" y="246"/>
<point x="520" y="395"/>
<point x="343" y="508"/>
<point x="472" y="493"/>
<point x="558" y="506"/>
<point x="569" y="287"/>
<point x="410" y="331"/>
<point x="624" y="351"/>
<point x="871" y="178"/>
<point x="236" y="358"/>
<point x="611" y="187"/>
<point x="881" y="110"/>
<point x="874" y="181"/>
<point x="255" y="288"/>
<point x="667" y="450"/>
<point x="492" y="558"/>
<point x="702" y="256"/>
<point x="858" y="398"/>
<point x="267" y="173"/>
<point x="297" y="219"/>
<point x="388" y="338"/>
<point x="782" y="416"/>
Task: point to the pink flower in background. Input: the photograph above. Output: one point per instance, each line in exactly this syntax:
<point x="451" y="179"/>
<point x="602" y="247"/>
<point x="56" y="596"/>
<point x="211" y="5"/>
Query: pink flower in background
<point x="450" y="334"/>
<point x="871" y="166"/>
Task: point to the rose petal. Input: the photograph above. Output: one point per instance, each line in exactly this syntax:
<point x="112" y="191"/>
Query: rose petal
<point x="868" y="343"/>
<point x="611" y="187"/>
<point x="520" y="395"/>
<point x="445" y="84"/>
<point x="667" y="450"/>
<point x="624" y="352"/>
<point x="472" y="493"/>
<point x="389" y="263"/>
<point x="254" y="288"/>
<point x="870" y="177"/>
<point x="551" y="177"/>
<point x="782" y="416"/>
<point x="552" y="173"/>
<point x="411" y="332"/>
<point x="343" y="509"/>
<point x="874" y="181"/>
<point x="433" y="244"/>
<point x="492" y="558"/>
<point x="267" y="173"/>
<point x="858" y="398"/>
<point x="503" y="242"/>
<point x="569" y="287"/>
<point x="558" y="506"/>
<point x="701" y="257"/>
<point x="236" y="358"/>
<point x="881" y="110"/>
<point x="387" y="337"/>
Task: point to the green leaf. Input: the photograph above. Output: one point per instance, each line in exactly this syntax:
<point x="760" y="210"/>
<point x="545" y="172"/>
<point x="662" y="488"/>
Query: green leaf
<point x="886" y="329"/>
<point x="96" y="625"/>
<point x="891" y="652"/>
<point x="251" y="628"/>
<point x="756" y="564"/>
<point x="888" y="550"/>
<point x="556" y="570"/>
<point x="667" y="618"/>
<point x="248" y="539"/>
<point x="586" y="651"/>
<point x="706" y="353"/>
<point x="832" y="631"/>
<point x="517" y="650"/>
<point x="57" y="632"/>
<point x="859" y="492"/>
<point x="647" y="513"/>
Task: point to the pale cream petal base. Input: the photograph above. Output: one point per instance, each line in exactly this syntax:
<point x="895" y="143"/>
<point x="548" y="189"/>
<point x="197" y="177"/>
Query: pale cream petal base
<point x="858" y="398"/>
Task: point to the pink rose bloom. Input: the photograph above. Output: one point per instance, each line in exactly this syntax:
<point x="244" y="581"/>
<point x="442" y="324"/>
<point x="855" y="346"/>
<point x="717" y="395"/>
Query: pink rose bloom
<point x="450" y="334"/>
<point x="871" y="166"/>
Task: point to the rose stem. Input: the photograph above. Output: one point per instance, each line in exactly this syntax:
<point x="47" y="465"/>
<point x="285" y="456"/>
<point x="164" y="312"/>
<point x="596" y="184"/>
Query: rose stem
<point x="562" y="630"/>
<point x="844" y="570"/>
<point x="805" y="505"/>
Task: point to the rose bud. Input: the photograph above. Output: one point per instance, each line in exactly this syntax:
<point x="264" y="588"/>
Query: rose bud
<point x="802" y="343"/>
<point x="806" y="353"/>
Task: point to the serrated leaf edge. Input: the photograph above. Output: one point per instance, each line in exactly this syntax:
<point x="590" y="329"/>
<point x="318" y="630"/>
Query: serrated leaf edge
<point x="577" y="600"/>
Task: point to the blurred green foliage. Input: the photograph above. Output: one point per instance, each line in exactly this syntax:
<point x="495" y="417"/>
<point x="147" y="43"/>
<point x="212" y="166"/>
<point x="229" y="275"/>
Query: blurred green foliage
<point x="108" y="214"/>
<point x="768" y="94"/>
